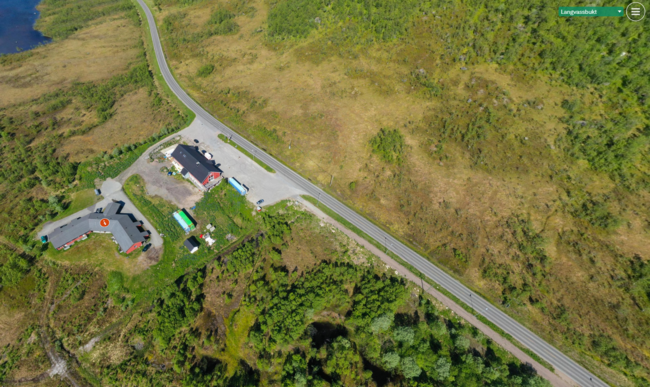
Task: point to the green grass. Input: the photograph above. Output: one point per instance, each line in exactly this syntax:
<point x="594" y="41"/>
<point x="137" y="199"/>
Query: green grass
<point x="220" y="207"/>
<point x="413" y="270"/>
<point x="98" y="251"/>
<point x="80" y="200"/>
<point x="244" y="151"/>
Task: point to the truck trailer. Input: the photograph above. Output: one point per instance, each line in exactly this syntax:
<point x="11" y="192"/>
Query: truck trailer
<point x="240" y="188"/>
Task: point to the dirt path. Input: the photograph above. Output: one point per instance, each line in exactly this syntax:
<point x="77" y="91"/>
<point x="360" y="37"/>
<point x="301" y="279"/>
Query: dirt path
<point x="556" y="378"/>
<point x="54" y="304"/>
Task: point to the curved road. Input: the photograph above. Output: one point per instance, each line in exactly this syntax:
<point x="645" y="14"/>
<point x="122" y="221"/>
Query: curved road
<point x="546" y="351"/>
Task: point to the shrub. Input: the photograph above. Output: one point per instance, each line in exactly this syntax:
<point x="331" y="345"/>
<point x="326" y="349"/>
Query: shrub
<point x="205" y="70"/>
<point x="293" y="18"/>
<point x="389" y="145"/>
<point x="222" y="23"/>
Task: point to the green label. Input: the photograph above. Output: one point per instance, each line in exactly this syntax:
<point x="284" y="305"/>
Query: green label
<point x="591" y="11"/>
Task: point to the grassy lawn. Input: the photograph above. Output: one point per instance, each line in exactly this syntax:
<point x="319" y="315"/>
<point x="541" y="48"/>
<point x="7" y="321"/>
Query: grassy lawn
<point x="98" y="251"/>
<point x="223" y="207"/>
<point x="244" y="151"/>
<point x="80" y="200"/>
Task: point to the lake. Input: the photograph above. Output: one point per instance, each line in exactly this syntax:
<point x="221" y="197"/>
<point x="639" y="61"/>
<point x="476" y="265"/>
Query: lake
<point x="17" y="18"/>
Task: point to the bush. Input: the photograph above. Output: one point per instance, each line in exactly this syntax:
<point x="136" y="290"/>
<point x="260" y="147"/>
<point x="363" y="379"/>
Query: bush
<point x="221" y="23"/>
<point x="205" y="70"/>
<point x="13" y="269"/>
<point x="597" y="214"/>
<point x="293" y="18"/>
<point x="389" y="145"/>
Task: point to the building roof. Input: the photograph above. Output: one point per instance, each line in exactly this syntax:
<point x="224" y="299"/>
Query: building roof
<point x="197" y="165"/>
<point x="191" y="244"/>
<point x="124" y="229"/>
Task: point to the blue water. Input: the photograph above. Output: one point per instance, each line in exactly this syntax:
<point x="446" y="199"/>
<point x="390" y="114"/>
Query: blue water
<point x="17" y="18"/>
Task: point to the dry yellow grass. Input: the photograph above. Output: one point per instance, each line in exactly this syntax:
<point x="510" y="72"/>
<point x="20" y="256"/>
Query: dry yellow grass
<point x="93" y="54"/>
<point x="134" y="121"/>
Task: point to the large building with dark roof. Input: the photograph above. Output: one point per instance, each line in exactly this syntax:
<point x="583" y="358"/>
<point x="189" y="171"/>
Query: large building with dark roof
<point x="126" y="232"/>
<point x="195" y="167"/>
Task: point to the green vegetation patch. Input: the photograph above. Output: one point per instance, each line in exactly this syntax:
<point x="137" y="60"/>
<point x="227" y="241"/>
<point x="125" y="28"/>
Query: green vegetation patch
<point x="221" y="23"/>
<point x="389" y="145"/>
<point x="333" y="324"/>
<point x="205" y="70"/>
<point x="378" y="20"/>
<point x="62" y="18"/>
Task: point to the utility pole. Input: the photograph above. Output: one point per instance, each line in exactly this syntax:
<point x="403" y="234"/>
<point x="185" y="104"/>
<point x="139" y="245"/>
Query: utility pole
<point x="254" y="154"/>
<point x="290" y="143"/>
<point x="422" y="282"/>
<point x="318" y="201"/>
<point x="386" y="244"/>
<point x="471" y="301"/>
<point x="331" y="180"/>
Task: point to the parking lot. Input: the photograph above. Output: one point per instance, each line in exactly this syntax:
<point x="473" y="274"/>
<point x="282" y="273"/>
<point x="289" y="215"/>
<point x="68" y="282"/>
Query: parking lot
<point x="261" y="184"/>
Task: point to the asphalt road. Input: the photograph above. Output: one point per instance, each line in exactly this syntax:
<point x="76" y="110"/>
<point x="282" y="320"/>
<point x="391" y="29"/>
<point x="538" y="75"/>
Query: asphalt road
<point x="546" y="351"/>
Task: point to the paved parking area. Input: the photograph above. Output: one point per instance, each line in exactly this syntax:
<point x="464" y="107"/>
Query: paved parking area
<point x="271" y="187"/>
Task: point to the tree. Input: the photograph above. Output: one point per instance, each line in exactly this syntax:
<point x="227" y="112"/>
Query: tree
<point x="341" y="359"/>
<point x="382" y="323"/>
<point x="442" y="368"/>
<point x="410" y="368"/>
<point x="404" y="335"/>
<point x="391" y="360"/>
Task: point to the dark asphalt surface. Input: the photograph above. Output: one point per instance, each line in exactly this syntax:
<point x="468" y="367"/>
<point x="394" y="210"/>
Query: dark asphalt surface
<point x="546" y="351"/>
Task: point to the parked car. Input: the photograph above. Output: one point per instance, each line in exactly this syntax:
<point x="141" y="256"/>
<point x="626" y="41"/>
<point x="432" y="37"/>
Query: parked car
<point x="196" y="141"/>
<point x="146" y="247"/>
<point x="99" y="210"/>
<point x="44" y="239"/>
<point x="259" y="202"/>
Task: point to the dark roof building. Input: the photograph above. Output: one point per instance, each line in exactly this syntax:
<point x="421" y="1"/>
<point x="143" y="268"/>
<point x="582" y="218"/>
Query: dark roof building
<point x="194" y="166"/>
<point x="192" y="244"/>
<point x="125" y="231"/>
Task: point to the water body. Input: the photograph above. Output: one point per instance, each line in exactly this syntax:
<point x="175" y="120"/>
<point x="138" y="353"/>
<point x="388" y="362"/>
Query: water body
<point x="17" y="18"/>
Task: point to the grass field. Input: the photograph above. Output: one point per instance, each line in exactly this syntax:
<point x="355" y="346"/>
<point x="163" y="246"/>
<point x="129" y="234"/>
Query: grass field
<point x="78" y="201"/>
<point x="98" y="251"/>
<point x="488" y="184"/>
